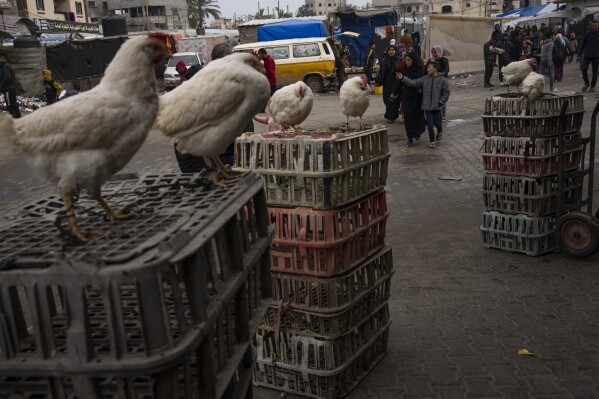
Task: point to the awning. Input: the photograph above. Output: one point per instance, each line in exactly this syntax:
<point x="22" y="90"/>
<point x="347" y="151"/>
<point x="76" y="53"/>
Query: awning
<point x="527" y="12"/>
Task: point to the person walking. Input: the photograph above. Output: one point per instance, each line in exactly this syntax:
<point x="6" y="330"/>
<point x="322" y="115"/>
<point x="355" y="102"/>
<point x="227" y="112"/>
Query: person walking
<point x="572" y="47"/>
<point x="489" y="54"/>
<point x="437" y="55"/>
<point x="386" y="77"/>
<point x="369" y="60"/>
<point x="435" y="93"/>
<point x="8" y="86"/>
<point x="589" y="51"/>
<point x="52" y="89"/>
<point x="559" y="55"/>
<point x="269" y="65"/>
<point x="546" y="64"/>
<point x="411" y="98"/>
<point x="536" y="38"/>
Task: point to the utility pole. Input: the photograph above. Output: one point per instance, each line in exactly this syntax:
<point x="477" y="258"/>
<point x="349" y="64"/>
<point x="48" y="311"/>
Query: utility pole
<point x="148" y="14"/>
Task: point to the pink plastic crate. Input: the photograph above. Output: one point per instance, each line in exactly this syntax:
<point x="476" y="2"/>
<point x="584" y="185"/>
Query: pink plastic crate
<point x="326" y="243"/>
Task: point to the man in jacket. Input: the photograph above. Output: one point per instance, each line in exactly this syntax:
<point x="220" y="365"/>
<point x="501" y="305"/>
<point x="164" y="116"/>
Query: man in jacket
<point x="269" y="65"/>
<point x="489" y="53"/>
<point x="589" y="50"/>
<point x="435" y="93"/>
<point x="8" y="86"/>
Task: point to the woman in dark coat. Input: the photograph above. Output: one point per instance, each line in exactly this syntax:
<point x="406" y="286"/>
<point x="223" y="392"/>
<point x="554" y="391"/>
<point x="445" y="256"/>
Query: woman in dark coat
<point x="387" y="79"/>
<point x="411" y="98"/>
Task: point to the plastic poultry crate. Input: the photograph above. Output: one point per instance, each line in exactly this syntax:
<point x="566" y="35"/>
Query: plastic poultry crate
<point x="321" y="170"/>
<point x="319" y="294"/>
<point x="325" y="369"/>
<point x="529" y="235"/>
<point x="326" y="243"/>
<point x="532" y="197"/>
<point x="132" y="312"/>
<point x="530" y="157"/>
<point x="332" y="322"/>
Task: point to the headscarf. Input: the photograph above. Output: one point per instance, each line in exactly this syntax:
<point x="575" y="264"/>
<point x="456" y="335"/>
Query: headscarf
<point x="415" y="71"/>
<point x="560" y="45"/>
<point x="439" y="52"/>
<point x="401" y="48"/>
<point x="182" y="69"/>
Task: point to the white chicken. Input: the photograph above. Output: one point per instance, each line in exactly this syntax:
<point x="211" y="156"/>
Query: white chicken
<point x="532" y="86"/>
<point x="81" y="141"/>
<point x="355" y="98"/>
<point x="291" y="105"/>
<point x="210" y="110"/>
<point x="515" y="73"/>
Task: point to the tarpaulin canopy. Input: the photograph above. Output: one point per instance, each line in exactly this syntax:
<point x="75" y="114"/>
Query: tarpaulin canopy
<point x="531" y="11"/>
<point x="365" y="23"/>
<point x="292" y="29"/>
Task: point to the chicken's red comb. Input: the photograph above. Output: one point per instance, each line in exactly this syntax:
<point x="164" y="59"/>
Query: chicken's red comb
<point x="158" y="35"/>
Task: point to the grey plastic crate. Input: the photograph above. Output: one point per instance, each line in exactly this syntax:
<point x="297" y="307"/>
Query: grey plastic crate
<point x="529" y="235"/>
<point x="161" y="306"/>
<point x="325" y="369"/>
<point x="323" y="170"/>
<point x="334" y="321"/>
<point x="512" y="115"/>
<point x="532" y="197"/>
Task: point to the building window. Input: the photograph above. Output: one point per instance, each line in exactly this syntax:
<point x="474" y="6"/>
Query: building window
<point x="79" y="8"/>
<point x="446" y="9"/>
<point x="409" y="9"/>
<point x="40" y="5"/>
<point x="91" y="4"/>
<point x="467" y="5"/>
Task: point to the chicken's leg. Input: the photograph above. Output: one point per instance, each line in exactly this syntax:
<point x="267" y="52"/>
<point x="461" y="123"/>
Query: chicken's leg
<point x="361" y="124"/>
<point x="73" y="226"/>
<point x="347" y="125"/>
<point x="122" y="214"/>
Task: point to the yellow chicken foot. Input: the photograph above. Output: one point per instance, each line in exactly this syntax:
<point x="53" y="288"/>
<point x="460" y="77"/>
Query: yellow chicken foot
<point x="73" y="226"/>
<point x="214" y="178"/>
<point x="120" y="215"/>
<point x="222" y="169"/>
<point x="361" y="124"/>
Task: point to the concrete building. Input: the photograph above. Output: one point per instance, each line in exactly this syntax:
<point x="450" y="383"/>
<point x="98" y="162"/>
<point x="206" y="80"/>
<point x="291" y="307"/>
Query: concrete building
<point x="478" y="8"/>
<point x="163" y="14"/>
<point x="56" y="10"/>
<point x="323" y="7"/>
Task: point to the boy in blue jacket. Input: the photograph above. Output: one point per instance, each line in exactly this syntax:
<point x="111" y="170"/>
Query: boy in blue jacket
<point x="435" y="93"/>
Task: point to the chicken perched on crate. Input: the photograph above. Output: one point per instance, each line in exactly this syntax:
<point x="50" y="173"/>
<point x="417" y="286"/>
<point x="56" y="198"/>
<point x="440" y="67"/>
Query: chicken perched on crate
<point x="81" y="141"/>
<point x="291" y="105"/>
<point x="209" y="111"/>
<point x="355" y="98"/>
<point x="532" y="86"/>
<point x="515" y="73"/>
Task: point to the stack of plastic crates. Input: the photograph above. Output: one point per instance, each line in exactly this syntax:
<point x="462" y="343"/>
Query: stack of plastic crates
<point x="521" y="156"/>
<point x="328" y="324"/>
<point x="164" y="305"/>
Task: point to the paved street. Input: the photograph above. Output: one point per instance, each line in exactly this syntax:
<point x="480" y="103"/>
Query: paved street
<point x="460" y="312"/>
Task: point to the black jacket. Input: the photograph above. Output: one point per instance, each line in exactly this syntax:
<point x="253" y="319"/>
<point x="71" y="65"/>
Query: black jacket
<point x="489" y="55"/>
<point x="7" y="80"/>
<point x="590" y="45"/>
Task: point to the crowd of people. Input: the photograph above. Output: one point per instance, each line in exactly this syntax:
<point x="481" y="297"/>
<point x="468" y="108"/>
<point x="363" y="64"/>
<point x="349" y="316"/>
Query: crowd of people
<point x="415" y="91"/>
<point x="549" y="45"/>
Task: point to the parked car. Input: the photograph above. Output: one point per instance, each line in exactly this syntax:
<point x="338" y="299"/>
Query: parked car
<point x="171" y="76"/>
<point x="310" y="60"/>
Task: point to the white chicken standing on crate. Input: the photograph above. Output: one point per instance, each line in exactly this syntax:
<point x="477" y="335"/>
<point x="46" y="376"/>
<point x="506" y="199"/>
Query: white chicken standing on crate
<point x="81" y="141"/>
<point x="291" y="105"/>
<point x="515" y="73"/>
<point x="207" y="113"/>
<point x="532" y="86"/>
<point x="355" y="98"/>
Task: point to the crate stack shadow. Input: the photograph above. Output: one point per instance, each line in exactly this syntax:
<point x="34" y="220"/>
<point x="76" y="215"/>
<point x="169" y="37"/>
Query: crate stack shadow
<point x="521" y="156"/>
<point x="328" y="325"/>
<point x="160" y="306"/>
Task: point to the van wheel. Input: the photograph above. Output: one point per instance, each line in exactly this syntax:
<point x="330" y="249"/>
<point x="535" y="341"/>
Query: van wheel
<point x="315" y="84"/>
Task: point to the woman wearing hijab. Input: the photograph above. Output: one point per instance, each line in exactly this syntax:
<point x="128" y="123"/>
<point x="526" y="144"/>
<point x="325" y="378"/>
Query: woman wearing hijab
<point x="559" y="54"/>
<point x="411" y="98"/>
<point x="386" y="77"/>
<point x="437" y="55"/>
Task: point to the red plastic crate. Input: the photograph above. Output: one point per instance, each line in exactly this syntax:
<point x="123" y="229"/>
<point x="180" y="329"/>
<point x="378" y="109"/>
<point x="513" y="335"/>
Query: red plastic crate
<point x="530" y="166"/>
<point x="326" y="243"/>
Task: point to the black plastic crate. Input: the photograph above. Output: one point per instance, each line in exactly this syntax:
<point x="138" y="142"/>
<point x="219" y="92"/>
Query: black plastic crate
<point x="160" y="306"/>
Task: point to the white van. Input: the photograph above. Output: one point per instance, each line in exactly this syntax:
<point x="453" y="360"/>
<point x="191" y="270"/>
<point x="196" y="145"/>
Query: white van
<point x="311" y="60"/>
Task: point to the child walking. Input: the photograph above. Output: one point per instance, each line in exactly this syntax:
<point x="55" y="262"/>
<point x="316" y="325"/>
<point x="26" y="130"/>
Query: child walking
<point x="435" y="91"/>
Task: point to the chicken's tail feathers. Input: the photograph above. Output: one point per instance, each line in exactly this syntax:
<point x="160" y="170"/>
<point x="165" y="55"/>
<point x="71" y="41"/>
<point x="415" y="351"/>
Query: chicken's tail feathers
<point x="7" y="128"/>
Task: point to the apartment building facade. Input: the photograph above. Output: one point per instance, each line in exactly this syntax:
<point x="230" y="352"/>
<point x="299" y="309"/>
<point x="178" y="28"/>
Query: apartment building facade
<point x="161" y="14"/>
<point x="324" y="7"/>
